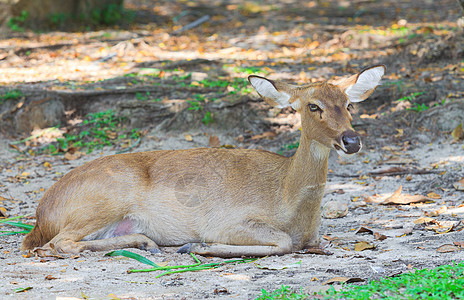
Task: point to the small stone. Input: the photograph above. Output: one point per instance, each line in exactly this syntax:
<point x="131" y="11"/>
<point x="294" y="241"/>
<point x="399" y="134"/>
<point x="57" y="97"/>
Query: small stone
<point x="334" y="209"/>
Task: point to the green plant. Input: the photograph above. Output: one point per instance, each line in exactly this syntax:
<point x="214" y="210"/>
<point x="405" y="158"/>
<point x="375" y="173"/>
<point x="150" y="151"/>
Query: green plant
<point x="444" y="282"/>
<point x="411" y="96"/>
<point x="26" y="227"/>
<point x="208" y="118"/>
<point x="95" y="132"/>
<point x="111" y="14"/>
<point x="141" y="96"/>
<point x="197" y="266"/>
<point x="419" y="107"/>
<point x="12" y="94"/>
<point x="250" y="70"/>
<point x="289" y="147"/>
<point x="17" y="23"/>
<point x="283" y="293"/>
<point x="57" y="20"/>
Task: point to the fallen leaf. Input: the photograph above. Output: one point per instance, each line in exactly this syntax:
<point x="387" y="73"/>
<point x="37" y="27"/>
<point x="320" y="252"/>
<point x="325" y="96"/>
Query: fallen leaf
<point x="188" y="138"/>
<point x="47" y="165"/>
<point x="448" y="248"/>
<point x="423" y="220"/>
<point x="433" y="195"/>
<point x="379" y="236"/>
<point x="363" y="229"/>
<point x="459" y="244"/>
<point x="361" y="246"/>
<point x="49" y="277"/>
<point x="444" y="226"/>
<point x="457" y="133"/>
<point x="267" y="134"/>
<point x="400" y="133"/>
<point x="398" y="198"/>
<point x="343" y="280"/>
<point x="3" y="212"/>
<point x="214" y="141"/>
<point x="73" y="156"/>
<point x="459" y="185"/>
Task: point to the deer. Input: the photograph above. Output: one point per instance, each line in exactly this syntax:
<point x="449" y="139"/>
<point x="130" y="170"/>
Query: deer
<point x="209" y="201"/>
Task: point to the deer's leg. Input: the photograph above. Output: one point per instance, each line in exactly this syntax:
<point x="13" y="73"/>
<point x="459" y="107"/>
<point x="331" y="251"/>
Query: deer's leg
<point x="259" y="239"/>
<point x="71" y="242"/>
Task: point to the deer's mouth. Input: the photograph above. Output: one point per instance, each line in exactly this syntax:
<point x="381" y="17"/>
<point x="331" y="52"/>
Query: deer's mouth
<point x="340" y="149"/>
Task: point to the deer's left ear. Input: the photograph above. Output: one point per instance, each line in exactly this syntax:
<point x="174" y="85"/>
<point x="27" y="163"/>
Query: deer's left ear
<point x="360" y="86"/>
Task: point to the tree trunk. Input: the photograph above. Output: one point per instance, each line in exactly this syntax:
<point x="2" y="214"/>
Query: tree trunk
<point x="56" y="13"/>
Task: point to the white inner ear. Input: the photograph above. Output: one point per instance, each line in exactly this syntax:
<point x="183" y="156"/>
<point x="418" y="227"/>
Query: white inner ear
<point x="267" y="89"/>
<point x="367" y="80"/>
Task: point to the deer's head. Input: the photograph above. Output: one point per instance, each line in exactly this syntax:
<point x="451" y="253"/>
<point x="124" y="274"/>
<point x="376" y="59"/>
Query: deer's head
<point x="325" y="108"/>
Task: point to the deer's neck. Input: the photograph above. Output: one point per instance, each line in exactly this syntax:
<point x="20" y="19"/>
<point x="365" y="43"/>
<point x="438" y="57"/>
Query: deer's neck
<point x="307" y="168"/>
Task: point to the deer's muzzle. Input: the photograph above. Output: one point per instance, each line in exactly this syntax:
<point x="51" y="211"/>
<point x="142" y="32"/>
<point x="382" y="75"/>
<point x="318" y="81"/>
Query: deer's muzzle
<point x="351" y="141"/>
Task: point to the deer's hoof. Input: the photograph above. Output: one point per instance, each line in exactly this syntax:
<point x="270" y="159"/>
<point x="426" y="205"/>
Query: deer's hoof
<point x="185" y="248"/>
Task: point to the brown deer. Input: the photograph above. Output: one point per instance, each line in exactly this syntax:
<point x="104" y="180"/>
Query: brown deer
<point x="214" y="202"/>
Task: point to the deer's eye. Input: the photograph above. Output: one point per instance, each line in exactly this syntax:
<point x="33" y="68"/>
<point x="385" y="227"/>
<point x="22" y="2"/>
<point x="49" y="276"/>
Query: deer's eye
<point x="314" y="107"/>
<point x="350" y="107"/>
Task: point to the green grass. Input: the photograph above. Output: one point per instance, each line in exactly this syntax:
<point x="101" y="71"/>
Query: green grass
<point x="444" y="282"/>
<point x="284" y="292"/>
<point x="167" y="270"/>
<point x="26" y="227"/>
<point x="13" y="94"/>
<point x="96" y="131"/>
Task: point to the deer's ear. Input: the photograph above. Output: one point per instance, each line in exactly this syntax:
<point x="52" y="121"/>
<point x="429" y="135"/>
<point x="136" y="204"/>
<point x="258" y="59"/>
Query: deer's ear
<point x="275" y="94"/>
<point x="360" y="86"/>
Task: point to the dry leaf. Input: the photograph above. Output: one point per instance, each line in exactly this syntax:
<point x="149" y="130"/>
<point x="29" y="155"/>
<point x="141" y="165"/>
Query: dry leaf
<point x="188" y="138"/>
<point x="459" y="185"/>
<point x="433" y="195"/>
<point x="47" y="164"/>
<point x="400" y="133"/>
<point x="50" y="277"/>
<point x="267" y="134"/>
<point x="360" y="246"/>
<point x="214" y="141"/>
<point x="363" y="229"/>
<point x="459" y="244"/>
<point x="448" y="248"/>
<point x="423" y="220"/>
<point x="73" y="156"/>
<point x="3" y="212"/>
<point x="343" y="280"/>
<point x="457" y="133"/>
<point x="379" y="236"/>
<point x="398" y="198"/>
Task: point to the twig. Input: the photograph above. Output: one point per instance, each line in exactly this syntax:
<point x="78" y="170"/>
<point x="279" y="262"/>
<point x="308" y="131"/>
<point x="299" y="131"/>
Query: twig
<point x="193" y="24"/>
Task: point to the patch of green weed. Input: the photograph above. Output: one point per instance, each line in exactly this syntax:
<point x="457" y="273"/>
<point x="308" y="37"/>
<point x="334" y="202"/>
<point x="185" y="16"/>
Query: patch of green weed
<point x="13" y="94"/>
<point x="17" y="23"/>
<point x="445" y="283"/>
<point x="95" y="132"/>
<point x="283" y="293"/>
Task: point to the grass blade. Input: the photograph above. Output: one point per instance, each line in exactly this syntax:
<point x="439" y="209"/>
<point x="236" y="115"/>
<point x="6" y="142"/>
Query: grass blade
<point x="19" y="224"/>
<point x="14" y="218"/>
<point x="14" y="232"/>
<point x="132" y="255"/>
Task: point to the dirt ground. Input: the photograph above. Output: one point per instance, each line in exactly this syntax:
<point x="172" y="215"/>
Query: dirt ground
<point x="319" y="41"/>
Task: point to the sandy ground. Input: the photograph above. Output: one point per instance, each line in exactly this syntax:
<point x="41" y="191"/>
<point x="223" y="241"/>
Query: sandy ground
<point x="407" y="245"/>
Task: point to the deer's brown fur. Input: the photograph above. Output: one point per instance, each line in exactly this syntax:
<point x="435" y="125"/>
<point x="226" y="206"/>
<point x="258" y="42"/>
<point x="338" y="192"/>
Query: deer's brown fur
<point x="219" y="202"/>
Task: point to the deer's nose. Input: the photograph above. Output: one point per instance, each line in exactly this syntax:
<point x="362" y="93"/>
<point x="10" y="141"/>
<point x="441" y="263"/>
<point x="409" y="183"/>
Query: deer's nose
<point x="351" y="141"/>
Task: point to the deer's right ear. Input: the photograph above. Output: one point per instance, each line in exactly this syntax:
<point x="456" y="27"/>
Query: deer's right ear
<point x="267" y="90"/>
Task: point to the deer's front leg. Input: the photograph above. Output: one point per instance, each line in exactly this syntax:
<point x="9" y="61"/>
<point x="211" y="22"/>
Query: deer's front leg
<point x="253" y="239"/>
